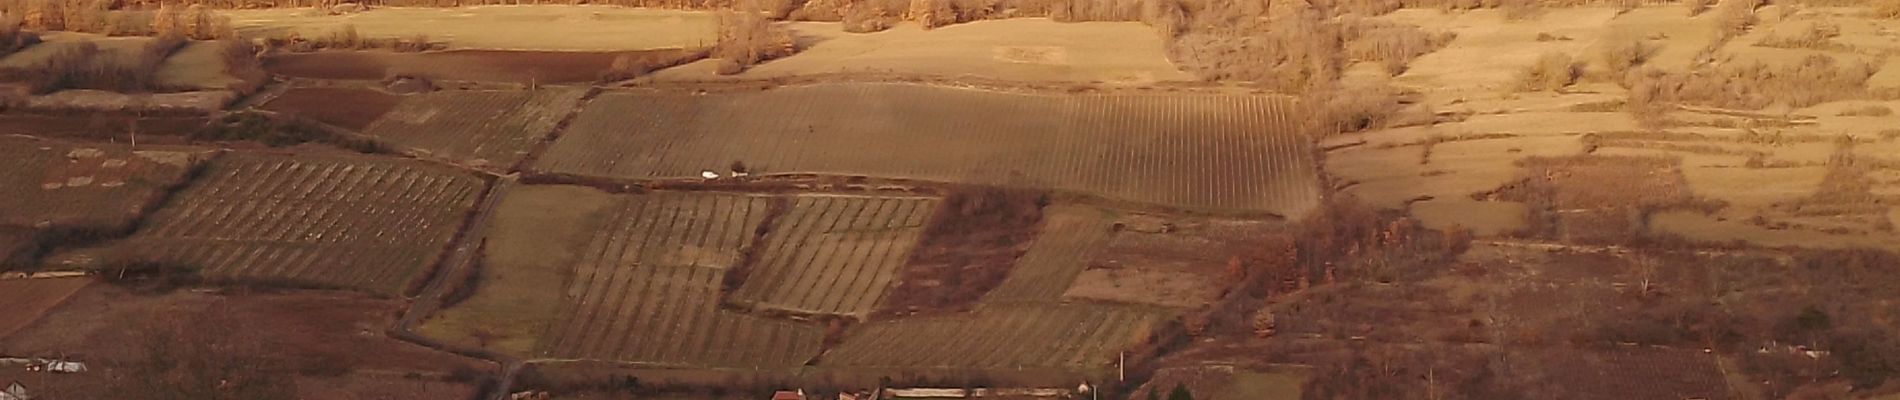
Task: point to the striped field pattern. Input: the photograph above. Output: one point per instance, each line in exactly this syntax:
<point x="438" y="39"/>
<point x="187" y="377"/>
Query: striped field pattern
<point x="1069" y="238"/>
<point x="1000" y="337"/>
<point x="646" y="289"/>
<point x="345" y="221"/>
<point x="478" y="127"/>
<point x="835" y="254"/>
<point x="1224" y="152"/>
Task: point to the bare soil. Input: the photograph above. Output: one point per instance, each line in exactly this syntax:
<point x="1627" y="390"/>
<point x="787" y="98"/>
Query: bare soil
<point x="969" y="247"/>
<point x="547" y="67"/>
<point x="27" y="299"/>
<point x="350" y="108"/>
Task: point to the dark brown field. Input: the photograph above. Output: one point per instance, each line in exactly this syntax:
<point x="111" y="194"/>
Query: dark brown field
<point x="349" y="108"/>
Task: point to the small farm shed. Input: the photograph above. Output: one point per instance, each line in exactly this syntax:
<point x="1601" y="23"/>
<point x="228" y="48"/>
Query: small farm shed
<point x="789" y="395"/>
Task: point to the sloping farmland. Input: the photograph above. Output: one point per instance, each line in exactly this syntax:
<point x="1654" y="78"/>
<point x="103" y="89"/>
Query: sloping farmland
<point x="835" y="254"/>
<point x="476" y="127"/>
<point x="1069" y="238"/>
<point x="645" y="289"/>
<point x="348" y="221"/>
<point x="1223" y="152"/>
<point x="1062" y="337"/>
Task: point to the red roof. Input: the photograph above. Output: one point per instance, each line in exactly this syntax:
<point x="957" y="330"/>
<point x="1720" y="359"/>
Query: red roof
<point x="787" y="395"/>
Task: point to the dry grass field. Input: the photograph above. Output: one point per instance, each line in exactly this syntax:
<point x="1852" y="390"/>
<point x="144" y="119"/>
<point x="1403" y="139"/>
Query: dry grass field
<point x="539" y="27"/>
<point x="536" y="236"/>
<point x="520" y="67"/>
<point x="69" y="185"/>
<point x="355" y="222"/>
<point x="479" y="128"/>
<point x="835" y="254"/>
<point x="1220" y="152"/>
<point x="1024" y="49"/>
<point x="1070" y="337"/>
<point x="199" y="65"/>
<point x="29" y="299"/>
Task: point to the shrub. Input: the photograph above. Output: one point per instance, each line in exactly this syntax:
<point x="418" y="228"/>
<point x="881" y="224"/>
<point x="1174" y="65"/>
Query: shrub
<point x="1166" y="16"/>
<point x="634" y="65"/>
<point x="869" y="16"/>
<point x="931" y="13"/>
<point x="1875" y="110"/>
<point x="412" y="44"/>
<point x="13" y="38"/>
<point x="1520" y="10"/>
<point x="1697" y="7"/>
<point x="1392" y="45"/>
<point x="746" y="38"/>
<point x="1352" y="109"/>
<point x="1621" y="54"/>
<point x="1818" y="35"/>
<point x="1552" y="71"/>
<point x="240" y="61"/>
<point x="1888" y="9"/>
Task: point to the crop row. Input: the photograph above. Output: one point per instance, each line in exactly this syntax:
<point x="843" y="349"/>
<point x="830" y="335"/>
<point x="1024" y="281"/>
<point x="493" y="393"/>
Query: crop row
<point x="1000" y="337"/>
<point x="1236" y="152"/>
<point x="1069" y="238"/>
<point x="358" y="222"/>
<point x="480" y="127"/>
<point x="836" y="254"/>
<point x="646" y="289"/>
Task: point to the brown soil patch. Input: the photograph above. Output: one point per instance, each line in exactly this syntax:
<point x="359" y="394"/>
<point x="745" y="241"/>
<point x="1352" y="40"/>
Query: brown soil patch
<point x="155" y="130"/>
<point x="1186" y="266"/>
<point x="1597" y="199"/>
<point x="331" y="344"/>
<point x="350" y="108"/>
<point x="27" y="299"/>
<point x="462" y="65"/>
<point x="969" y="247"/>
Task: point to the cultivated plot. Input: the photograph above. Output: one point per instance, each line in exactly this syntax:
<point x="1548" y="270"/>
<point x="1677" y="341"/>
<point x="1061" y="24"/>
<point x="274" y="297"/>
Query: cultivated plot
<point x="835" y="254"/>
<point x="511" y="27"/>
<point x="1065" y="337"/>
<point x="476" y="127"/>
<point x="646" y="288"/>
<point x="1070" y="237"/>
<point x="1226" y="152"/>
<point x="57" y="184"/>
<point x="345" y="221"/>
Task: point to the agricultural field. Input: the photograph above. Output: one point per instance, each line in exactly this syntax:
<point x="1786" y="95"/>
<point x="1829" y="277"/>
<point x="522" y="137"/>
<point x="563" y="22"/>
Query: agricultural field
<point x="1222" y="152"/>
<point x="1220" y="381"/>
<point x="537" y="27"/>
<point x="479" y="128"/>
<point x="648" y="290"/>
<point x="1023" y="49"/>
<point x="309" y="344"/>
<point x="70" y="185"/>
<point x="199" y="65"/>
<point x="354" y="222"/>
<point x="29" y="299"/>
<point x="643" y="275"/>
<point x="519" y="67"/>
<point x="1069" y="337"/>
<point x="1185" y="267"/>
<point x="347" y="108"/>
<point x="835" y="254"/>
<point x="1069" y="239"/>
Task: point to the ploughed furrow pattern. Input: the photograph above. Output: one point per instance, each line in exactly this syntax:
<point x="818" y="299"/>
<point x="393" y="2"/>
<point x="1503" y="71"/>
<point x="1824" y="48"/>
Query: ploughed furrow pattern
<point x="1001" y="337"/>
<point x="72" y="185"/>
<point x="646" y="289"/>
<point x="835" y="254"/>
<point x="1069" y="238"/>
<point x="479" y="127"/>
<point x="344" y="221"/>
<point x="1211" y="151"/>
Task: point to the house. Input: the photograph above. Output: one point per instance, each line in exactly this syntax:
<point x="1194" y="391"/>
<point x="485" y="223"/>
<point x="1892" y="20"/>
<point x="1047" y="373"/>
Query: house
<point x="789" y="395"/>
<point x="15" y="392"/>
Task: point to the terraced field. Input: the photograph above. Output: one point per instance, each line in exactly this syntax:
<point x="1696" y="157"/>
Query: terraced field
<point x="1227" y="152"/>
<point x="58" y="184"/>
<point x="836" y="254"/>
<point x="1066" y="337"/>
<point x="1070" y="237"/>
<point x="476" y="127"/>
<point x="646" y="289"/>
<point x="346" y="221"/>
